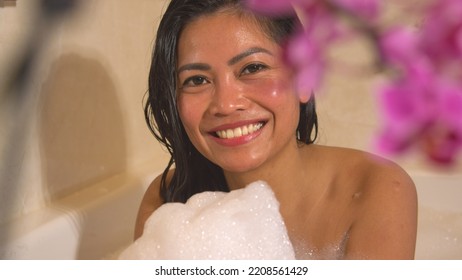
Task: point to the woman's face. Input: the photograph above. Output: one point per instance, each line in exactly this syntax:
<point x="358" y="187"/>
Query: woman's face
<point x="235" y="97"/>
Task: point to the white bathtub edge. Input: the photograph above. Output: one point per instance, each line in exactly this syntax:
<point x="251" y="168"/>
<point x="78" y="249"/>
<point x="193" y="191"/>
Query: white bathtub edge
<point x="79" y="226"/>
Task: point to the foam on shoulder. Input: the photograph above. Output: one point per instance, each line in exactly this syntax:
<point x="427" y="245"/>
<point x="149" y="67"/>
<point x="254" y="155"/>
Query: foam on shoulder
<point x="242" y="224"/>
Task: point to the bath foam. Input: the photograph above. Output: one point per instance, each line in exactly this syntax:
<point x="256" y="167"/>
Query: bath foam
<point x="241" y="224"/>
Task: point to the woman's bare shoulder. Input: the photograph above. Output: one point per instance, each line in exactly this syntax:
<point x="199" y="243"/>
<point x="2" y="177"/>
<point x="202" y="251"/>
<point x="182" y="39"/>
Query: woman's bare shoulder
<point x="370" y="174"/>
<point x="150" y="202"/>
<point x="367" y="167"/>
<point x="384" y="181"/>
<point x="384" y="205"/>
<point x="381" y="199"/>
<point x="377" y="173"/>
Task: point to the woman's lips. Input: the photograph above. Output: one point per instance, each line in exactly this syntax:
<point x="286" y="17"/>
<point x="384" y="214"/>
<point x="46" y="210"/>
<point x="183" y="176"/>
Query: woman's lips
<point x="237" y="134"/>
<point x="239" y="131"/>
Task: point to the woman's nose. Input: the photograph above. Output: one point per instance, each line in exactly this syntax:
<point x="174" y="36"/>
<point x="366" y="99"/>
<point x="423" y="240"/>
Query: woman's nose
<point x="228" y="97"/>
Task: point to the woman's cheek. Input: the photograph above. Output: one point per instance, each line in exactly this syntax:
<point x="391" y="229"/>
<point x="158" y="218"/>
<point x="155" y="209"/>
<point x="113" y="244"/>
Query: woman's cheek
<point x="188" y="110"/>
<point x="273" y="89"/>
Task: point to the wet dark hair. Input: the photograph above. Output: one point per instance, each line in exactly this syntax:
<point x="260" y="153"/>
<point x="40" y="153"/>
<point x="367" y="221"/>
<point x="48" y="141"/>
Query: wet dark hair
<point x="193" y="172"/>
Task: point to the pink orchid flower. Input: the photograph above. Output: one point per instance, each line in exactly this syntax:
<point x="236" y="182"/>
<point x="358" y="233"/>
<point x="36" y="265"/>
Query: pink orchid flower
<point x="405" y="111"/>
<point x="442" y="31"/>
<point x="305" y="57"/>
<point x="444" y="141"/>
<point x="424" y="111"/>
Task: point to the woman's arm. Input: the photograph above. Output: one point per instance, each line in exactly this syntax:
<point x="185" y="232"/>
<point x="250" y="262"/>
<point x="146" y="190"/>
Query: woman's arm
<point x="150" y="202"/>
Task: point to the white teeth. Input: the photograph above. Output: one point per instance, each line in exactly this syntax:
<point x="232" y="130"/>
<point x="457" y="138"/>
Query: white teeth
<point x="245" y="130"/>
<point x="239" y="131"/>
<point x="229" y="133"/>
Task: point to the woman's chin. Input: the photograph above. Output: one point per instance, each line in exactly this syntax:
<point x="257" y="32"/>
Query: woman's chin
<point x="242" y="166"/>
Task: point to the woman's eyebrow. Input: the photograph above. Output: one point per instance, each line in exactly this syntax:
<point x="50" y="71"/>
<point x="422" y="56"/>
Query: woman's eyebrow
<point x="232" y="61"/>
<point x="246" y="53"/>
<point x="194" y="66"/>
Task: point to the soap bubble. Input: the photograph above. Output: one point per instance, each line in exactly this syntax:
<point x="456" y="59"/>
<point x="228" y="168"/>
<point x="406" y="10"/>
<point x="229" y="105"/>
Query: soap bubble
<point x="241" y="224"/>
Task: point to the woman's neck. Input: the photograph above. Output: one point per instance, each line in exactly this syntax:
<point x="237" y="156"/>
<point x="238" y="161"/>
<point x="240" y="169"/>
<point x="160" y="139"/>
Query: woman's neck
<point x="289" y="168"/>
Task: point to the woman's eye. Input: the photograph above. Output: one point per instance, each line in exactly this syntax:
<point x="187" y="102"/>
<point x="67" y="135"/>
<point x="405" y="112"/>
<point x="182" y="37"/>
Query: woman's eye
<point x="195" y="81"/>
<point x="253" y="68"/>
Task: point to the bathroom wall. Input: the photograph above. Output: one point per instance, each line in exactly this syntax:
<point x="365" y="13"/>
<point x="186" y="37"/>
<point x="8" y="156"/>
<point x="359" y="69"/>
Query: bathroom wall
<point x="82" y="119"/>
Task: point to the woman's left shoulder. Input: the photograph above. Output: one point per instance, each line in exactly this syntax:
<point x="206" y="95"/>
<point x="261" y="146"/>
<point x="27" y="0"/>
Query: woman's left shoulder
<point x="379" y="174"/>
<point x="384" y="208"/>
<point x="368" y="170"/>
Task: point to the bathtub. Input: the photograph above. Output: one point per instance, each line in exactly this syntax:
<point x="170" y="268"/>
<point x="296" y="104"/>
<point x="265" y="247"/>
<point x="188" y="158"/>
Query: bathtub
<point x="98" y="222"/>
<point x="94" y="223"/>
<point x="439" y="232"/>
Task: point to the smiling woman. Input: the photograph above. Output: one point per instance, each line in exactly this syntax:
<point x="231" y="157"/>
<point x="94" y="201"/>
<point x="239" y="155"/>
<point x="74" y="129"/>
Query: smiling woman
<point x="245" y="86"/>
<point x="223" y="102"/>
